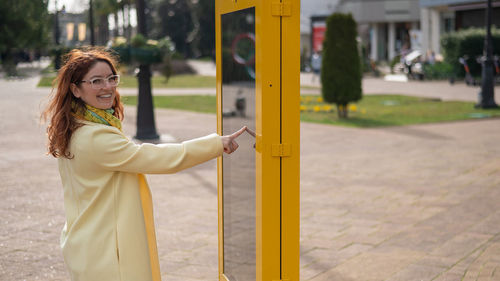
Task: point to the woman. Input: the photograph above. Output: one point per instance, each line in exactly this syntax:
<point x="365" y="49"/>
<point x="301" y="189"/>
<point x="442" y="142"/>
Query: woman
<point x="109" y="232"/>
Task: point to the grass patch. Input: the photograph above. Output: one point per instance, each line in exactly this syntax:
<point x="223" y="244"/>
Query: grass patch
<point x="372" y="111"/>
<point x="308" y="87"/>
<point x="393" y="110"/>
<point x="46" y="81"/>
<point x="176" y="81"/>
<point x="204" y="104"/>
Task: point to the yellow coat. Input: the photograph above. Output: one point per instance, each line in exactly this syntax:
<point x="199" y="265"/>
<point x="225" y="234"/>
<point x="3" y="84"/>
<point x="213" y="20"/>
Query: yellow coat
<point x="109" y="233"/>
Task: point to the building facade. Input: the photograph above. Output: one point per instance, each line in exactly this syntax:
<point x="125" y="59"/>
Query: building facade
<point x="312" y="24"/>
<point x="388" y="28"/>
<point x="441" y="16"/>
<point x="73" y="29"/>
<point x="385" y="27"/>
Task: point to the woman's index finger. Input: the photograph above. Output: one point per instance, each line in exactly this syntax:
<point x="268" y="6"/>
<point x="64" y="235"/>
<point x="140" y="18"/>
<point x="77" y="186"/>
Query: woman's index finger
<point x="239" y="132"/>
<point x="252" y="133"/>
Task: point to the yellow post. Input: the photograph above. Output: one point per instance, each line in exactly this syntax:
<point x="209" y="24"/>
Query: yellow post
<point x="290" y="131"/>
<point x="277" y="148"/>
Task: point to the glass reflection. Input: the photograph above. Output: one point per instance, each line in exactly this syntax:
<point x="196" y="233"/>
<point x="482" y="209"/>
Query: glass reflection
<point x="238" y="169"/>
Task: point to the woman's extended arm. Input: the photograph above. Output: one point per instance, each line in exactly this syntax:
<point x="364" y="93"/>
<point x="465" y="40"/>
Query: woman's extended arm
<point x="107" y="148"/>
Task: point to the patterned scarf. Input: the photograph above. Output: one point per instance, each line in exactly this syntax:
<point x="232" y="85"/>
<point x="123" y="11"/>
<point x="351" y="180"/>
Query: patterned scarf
<point x="96" y="115"/>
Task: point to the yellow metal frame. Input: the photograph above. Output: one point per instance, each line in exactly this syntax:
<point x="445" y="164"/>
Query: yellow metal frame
<point x="277" y="84"/>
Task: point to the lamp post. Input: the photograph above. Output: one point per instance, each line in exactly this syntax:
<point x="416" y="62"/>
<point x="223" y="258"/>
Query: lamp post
<point x="487" y="94"/>
<point x="146" y="128"/>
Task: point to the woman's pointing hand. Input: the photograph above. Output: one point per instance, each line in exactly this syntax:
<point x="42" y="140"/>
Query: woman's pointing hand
<point x="229" y="141"/>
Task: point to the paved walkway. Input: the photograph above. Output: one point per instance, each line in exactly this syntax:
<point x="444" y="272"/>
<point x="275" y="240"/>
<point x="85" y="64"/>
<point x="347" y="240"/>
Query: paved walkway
<point x="405" y="203"/>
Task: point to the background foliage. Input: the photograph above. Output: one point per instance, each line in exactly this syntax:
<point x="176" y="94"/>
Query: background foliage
<point x="24" y="28"/>
<point x="468" y="42"/>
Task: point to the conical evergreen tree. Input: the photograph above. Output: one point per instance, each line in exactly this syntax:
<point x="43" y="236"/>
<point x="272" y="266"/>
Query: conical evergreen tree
<point x="341" y="69"/>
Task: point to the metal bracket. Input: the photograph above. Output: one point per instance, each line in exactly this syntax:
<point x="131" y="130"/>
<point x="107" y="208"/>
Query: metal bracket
<point x="281" y="9"/>
<point x="281" y="150"/>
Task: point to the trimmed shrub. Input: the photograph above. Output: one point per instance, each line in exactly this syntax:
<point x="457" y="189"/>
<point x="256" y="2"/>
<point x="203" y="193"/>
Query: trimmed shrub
<point x="468" y="42"/>
<point x="438" y="71"/>
<point x="143" y="51"/>
<point x="341" y="67"/>
<point x="394" y="61"/>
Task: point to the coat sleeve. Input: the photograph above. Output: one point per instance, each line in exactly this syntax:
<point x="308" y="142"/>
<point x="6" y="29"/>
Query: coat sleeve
<point x="111" y="150"/>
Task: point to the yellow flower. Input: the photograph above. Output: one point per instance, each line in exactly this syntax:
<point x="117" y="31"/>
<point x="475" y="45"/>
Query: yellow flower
<point x="317" y="108"/>
<point x="152" y="42"/>
<point x="303" y="108"/>
<point x="120" y="40"/>
<point x="320" y="99"/>
<point x="353" y="107"/>
<point x="327" y="108"/>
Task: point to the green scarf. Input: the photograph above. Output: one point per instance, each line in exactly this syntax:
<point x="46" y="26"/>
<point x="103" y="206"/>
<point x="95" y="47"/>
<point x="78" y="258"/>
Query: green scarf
<point x="96" y="115"/>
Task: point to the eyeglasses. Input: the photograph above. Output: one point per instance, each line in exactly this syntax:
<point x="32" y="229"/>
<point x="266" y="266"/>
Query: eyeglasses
<point x="99" y="83"/>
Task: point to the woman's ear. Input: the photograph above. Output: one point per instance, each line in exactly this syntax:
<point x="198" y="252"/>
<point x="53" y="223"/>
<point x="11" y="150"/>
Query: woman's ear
<point x="75" y="90"/>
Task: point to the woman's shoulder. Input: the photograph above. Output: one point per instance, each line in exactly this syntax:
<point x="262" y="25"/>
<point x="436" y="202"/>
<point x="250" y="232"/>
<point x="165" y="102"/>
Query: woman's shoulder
<point x="89" y="130"/>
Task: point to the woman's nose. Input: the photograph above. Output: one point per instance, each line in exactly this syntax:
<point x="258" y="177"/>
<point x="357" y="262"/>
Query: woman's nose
<point x="107" y="85"/>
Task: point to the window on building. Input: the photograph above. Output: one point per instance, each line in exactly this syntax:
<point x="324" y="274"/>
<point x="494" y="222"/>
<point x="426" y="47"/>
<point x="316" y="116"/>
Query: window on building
<point x="70" y="28"/>
<point x="82" y="31"/>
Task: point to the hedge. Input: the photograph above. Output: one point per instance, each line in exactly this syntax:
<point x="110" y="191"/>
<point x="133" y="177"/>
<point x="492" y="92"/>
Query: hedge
<point x="468" y="42"/>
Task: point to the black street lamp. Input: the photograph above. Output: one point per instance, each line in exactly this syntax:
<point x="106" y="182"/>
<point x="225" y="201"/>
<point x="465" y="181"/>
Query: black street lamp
<point x="146" y="128"/>
<point x="487" y="94"/>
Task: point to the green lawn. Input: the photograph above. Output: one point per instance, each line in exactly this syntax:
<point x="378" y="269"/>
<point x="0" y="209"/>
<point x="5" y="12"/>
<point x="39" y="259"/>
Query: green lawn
<point x="205" y="104"/>
<point x="176" y="81"/>
<point x="372" y="111"/>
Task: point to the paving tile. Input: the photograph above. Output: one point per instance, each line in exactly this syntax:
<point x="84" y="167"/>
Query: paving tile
<point x="450" y="276"/>
<point x="371" y="266"/>
<point x="461" y="246"/>
<point x="401" y="203"/>
<point x="417" y="272"/>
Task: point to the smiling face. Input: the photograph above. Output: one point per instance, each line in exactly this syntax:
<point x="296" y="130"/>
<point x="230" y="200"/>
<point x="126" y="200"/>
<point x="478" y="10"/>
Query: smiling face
<point x="101" y="98"/>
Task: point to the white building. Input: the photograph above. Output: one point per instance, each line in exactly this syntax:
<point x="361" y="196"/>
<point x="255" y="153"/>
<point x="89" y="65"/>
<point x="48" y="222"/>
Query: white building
<point x="441" y="16"/>
<point x="387" y="27"/>
<point x="310" y="9"/>
<point x="390" y="27"/>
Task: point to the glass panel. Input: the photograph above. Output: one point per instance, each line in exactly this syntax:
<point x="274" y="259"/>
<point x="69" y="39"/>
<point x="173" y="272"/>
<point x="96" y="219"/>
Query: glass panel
<point x="238" y="168"/>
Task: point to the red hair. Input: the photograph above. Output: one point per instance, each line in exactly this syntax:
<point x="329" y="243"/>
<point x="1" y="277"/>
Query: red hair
<point x="59" y="110"/>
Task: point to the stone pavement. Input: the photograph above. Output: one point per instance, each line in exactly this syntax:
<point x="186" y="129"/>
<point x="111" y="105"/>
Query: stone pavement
<point x="400" y="203"/>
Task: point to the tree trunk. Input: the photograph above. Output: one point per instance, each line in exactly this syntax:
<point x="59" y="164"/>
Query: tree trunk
<point x="91" y="23"/>
<point x="124" y="22"/>
<point x="8" y="63"/>
<point x="129" y="25"/>
<point x="116" y="31"/>
<point x="103" y="29"/>
<point x="342" y="111"/>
